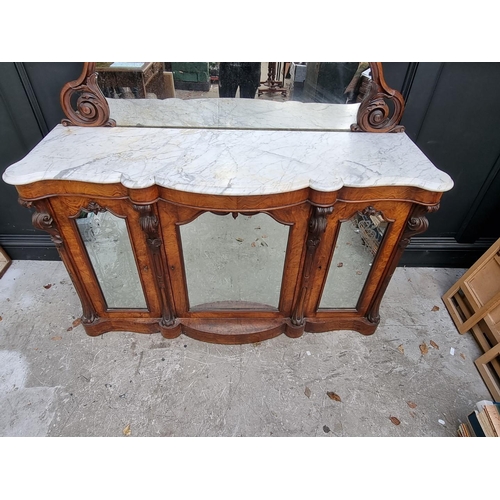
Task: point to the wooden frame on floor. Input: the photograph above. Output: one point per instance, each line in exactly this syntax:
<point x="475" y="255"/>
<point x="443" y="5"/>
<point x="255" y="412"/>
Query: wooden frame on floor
<point x="474" y="305"/>
<point x="490" y="375"/>
<point x="5" y="262"/>
<point x="476" y="295"/>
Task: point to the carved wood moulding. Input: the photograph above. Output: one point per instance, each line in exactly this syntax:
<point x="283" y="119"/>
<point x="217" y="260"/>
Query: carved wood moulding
<point x="93" y="207"/>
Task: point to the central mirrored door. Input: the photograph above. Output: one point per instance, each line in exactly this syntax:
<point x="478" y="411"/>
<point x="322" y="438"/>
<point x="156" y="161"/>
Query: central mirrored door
<point x="232" y="261"/>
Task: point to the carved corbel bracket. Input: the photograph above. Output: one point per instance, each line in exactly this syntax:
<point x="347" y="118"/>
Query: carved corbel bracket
<point x="317" y="226"/>
<point x="417" y="223"/>
<point x="92" y="109"/>
<point x="148" y="222"/>
<point x="42" y="220"/>
<point x="374" y="113"/>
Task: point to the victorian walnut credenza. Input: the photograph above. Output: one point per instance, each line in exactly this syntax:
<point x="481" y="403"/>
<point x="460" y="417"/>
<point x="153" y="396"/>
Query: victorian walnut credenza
<point x="231" y="220"/>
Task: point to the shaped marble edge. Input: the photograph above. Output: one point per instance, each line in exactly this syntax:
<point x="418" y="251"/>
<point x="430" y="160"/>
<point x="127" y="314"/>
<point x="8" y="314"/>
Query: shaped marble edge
<point x="228" y="162"/>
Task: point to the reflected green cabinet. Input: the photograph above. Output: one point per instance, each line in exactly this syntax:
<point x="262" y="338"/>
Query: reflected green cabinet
<point x="191" y="75"/>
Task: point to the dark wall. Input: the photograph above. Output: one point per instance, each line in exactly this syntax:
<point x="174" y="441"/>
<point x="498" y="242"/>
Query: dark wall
<point x="452" y="113"/>
<point x="29" y="109"/>
<point x="20" y="132"/>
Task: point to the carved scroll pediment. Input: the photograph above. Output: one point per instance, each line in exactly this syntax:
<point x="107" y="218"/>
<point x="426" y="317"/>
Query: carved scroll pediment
<point x="382" y="108"/>
<point x="92" y="109"/>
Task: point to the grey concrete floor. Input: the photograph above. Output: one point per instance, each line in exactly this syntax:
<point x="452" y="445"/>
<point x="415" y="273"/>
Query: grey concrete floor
<point x="57" y="381"/>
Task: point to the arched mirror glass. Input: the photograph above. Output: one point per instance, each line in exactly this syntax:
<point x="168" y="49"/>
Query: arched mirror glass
<point x="357" y="245"/>
<point x="107" y="242"/>
<point x="242" y="260"/>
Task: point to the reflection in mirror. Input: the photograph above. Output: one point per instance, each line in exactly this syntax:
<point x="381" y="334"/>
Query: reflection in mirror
<point x="325" y="82"/>
<point x="242" y="259"/>
<point x="357" y="244"/>
<point x="132" y="80"/>
<point x="248" y="95"/>
<point x="336" y="82"/>
<point x="108" y="246"/>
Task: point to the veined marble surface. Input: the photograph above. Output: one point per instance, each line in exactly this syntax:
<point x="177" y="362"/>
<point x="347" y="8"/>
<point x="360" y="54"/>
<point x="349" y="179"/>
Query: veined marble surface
<point x="232" y="113"/>
<point x="228" y="162"/>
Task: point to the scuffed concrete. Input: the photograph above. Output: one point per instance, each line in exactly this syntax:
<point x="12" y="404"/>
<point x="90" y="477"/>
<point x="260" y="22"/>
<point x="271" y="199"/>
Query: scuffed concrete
<point x="57" y="381"/>
<point x="26" y="411"/>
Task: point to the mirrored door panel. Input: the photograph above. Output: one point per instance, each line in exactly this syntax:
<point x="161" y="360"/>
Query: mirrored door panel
<point x="107" y="242"/>
<point x="358" y="242"/>
<point x="228" y="259"/>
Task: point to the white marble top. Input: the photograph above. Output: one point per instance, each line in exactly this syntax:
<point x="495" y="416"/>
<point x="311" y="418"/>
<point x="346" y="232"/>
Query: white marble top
<point x="228" y="162"/>
<point x="232" y="113"/>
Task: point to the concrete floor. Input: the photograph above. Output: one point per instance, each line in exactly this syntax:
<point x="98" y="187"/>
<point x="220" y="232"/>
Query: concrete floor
<point x="57" y="381"/>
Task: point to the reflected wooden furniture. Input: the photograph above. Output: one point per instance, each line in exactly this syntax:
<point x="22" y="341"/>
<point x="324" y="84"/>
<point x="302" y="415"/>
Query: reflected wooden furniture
<point x="271" y="85"/>
<point x="142" y="78"/>
<point x="474" y="305"/>
<point x="159" y="179"/>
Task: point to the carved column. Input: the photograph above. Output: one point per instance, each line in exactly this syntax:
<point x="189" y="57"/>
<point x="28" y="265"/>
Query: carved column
<point x="317" y="226"/>
<point x="42" y="220"/>
<point x="417" y="223"/>
<point x="170" y="328"/>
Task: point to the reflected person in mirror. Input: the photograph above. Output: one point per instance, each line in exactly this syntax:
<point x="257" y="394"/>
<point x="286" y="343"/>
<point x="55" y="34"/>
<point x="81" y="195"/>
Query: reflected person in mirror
<point x="245" y="75"/>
